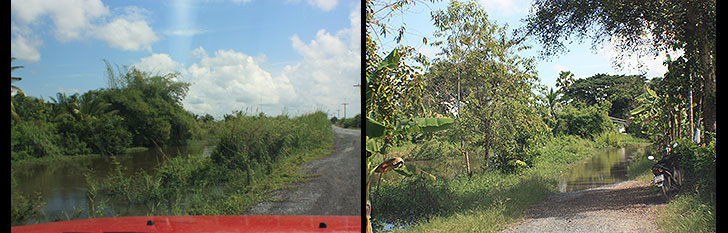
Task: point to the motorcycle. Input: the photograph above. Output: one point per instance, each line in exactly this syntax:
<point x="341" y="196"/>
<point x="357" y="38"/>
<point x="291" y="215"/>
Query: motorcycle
<point x="668" y="175"/>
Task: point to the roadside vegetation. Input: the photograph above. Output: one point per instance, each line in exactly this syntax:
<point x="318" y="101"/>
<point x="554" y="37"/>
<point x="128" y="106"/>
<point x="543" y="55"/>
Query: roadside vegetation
<point x="253" y="155"/>
<point x="349" y="123"/>
<point x="137" y="110"/>
<point x="512" y="137"/>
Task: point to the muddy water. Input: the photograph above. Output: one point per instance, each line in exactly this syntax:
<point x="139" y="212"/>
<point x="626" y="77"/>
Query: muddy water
<point x="62" y="184"/>
<point x="607" y="166"/>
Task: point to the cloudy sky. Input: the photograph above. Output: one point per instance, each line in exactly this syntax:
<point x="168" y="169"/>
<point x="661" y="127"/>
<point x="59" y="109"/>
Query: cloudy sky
<point x="296" y="56"/>
<point x="581" y="59"/>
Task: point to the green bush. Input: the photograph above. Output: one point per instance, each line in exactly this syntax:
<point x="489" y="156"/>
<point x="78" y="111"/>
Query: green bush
<point x="583" y="121"/>
<point x="698" y="165"/>
<point x="33" y="140"/>
<point x="105" y="134"/>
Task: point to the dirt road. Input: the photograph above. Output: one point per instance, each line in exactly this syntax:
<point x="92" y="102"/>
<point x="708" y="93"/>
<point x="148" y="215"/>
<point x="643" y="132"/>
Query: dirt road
<point x="335" y="189"/>
<point x="628" y="206"/>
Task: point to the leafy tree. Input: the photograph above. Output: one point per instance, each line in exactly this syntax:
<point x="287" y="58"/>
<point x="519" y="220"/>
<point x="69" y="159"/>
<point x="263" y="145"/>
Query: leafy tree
<point x="151" y="106"/>
<point x="585" y="121"/>
<point x="481" y="81"/>
<point x="636" y="27"/>
<point x="619" y="90"/>
<point x="566" y="78"/>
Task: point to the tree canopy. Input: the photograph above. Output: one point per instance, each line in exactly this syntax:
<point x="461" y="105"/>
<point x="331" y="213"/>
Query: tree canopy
<point x="635" y="27"/>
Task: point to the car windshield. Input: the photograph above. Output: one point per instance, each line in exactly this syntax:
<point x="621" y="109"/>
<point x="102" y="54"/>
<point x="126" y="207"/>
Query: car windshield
<point x="185" y="108"/>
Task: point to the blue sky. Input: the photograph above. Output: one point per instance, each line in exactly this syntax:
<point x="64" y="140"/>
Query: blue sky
<point x="581" y="60"/>
<point x="297" y="55"/>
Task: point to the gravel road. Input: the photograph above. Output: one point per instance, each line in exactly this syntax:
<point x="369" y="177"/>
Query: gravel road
<point x="335" y="189"/>
<point x="628" y="206"/>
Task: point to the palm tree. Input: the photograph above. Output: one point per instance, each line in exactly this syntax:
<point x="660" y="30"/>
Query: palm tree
<point x="65" y="106"/>
<point x="14" y="89"/>
<point x="566" y="78"/>
<point x="552" y="99"/>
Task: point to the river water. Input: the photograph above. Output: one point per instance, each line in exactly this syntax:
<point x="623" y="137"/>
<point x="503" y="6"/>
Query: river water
<point x="605" y="167"/>
<point x="62" y="184"/>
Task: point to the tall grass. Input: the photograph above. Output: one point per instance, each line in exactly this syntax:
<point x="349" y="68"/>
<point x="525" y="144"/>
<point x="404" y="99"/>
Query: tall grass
<point x="255" y="155"/>
<point x="488" y="201"/>
<point x="687" y="213"/>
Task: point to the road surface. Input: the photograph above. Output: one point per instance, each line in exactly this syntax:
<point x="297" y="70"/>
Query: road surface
<point x="629" y="206"/>
<point x="335" y="188"/>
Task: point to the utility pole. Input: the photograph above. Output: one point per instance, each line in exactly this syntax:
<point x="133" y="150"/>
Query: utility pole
<point x="344" y="109"/>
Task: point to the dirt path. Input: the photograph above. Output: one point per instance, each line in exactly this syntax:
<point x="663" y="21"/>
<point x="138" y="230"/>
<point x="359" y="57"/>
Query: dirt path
<point x="628" y="206"/>
<point x="336" y="188"/>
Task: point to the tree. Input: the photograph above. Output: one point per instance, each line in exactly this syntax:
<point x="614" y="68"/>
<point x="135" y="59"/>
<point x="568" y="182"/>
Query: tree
<point x="636" y="27"/>
<point x="481" y="81"/>
<point x="566" y="78"/>
<point x="150" y="105"/>
<point x="619" y="90"/>
<point x="553" y="99"/>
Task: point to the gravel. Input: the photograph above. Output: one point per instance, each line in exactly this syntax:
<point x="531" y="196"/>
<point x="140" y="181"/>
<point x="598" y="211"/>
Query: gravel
<point x="335" y="189"/>
<point x="628" y="206"/>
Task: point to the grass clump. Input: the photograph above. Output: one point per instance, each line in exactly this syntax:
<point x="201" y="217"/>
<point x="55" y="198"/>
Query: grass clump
<point x="255" y="156"/>
<point x="486" y="202"/>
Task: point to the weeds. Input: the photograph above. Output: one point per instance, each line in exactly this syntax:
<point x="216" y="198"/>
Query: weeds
<point x="255" y="155"/>
<point x="487" y="201"/>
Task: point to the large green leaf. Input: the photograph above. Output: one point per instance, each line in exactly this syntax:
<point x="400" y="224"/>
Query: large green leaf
<point x="433" y="124"/>
<point x="374" y="129"/>
<point x="391" y="61"/>
<point x="373" y="147"/>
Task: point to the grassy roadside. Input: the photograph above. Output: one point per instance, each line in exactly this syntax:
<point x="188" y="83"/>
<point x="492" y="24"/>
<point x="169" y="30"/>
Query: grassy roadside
<point x="255" y="156"/>
<point x="487" y="202"/>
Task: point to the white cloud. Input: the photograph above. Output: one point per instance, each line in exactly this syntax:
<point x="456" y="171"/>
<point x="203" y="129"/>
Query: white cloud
<point x="330" y="67"/>
<point x="127" y="35"/>
<point x="640" y="62"/>
<point x="559" y="68"/>
<point x="71" y="18"/>
<point x="228" y="80"/>
<point x="77" y="20"/>
<point x="159" y="63"/>
<point x="325" y="5"/>
<point x="505" y="7"/>
<point x="231" y="80"/>
<point x="23" y="48"/>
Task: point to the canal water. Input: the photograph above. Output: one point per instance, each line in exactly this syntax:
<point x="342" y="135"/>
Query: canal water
<point x="607" y="166"/>
<point x="62" y="184"/>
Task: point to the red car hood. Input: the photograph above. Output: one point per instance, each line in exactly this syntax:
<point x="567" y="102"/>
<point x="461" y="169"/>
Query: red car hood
<point x="202" y="224"/>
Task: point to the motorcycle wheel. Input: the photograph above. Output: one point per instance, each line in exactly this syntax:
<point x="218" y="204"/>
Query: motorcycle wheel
<point x="666" y="188"/>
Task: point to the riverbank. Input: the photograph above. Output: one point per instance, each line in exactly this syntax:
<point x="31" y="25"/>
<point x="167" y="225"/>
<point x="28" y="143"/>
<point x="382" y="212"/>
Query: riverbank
<point x="488" y="201"/>
<point x="254" y="156"/>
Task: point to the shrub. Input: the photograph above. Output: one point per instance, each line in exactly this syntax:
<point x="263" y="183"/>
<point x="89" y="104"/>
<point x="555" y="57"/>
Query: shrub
<point x="584" y="122"/>
<point x="33" y="139"/>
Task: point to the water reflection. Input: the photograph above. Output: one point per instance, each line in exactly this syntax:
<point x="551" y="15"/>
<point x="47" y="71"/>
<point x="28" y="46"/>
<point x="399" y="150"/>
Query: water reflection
<point x="62" y="184"/>
<point x="608" y="166"/>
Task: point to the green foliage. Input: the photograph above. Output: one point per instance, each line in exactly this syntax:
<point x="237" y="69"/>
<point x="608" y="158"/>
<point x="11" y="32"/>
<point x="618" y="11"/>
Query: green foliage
<point x="33" y="140"/>
<point x="698" y="164"/>
<point x="138" y="109"/>
<point x="583" y="121"/>
<point x="220" y="185"/>
<point x="105" y="134"/>
<point x="253" y="141"/>
<point x="620" y="90"/>
<point x="24" y="209"/>
<point x="688" y="213"/>
<point x="354" y="122"/>
<point x="151" y="107"/>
